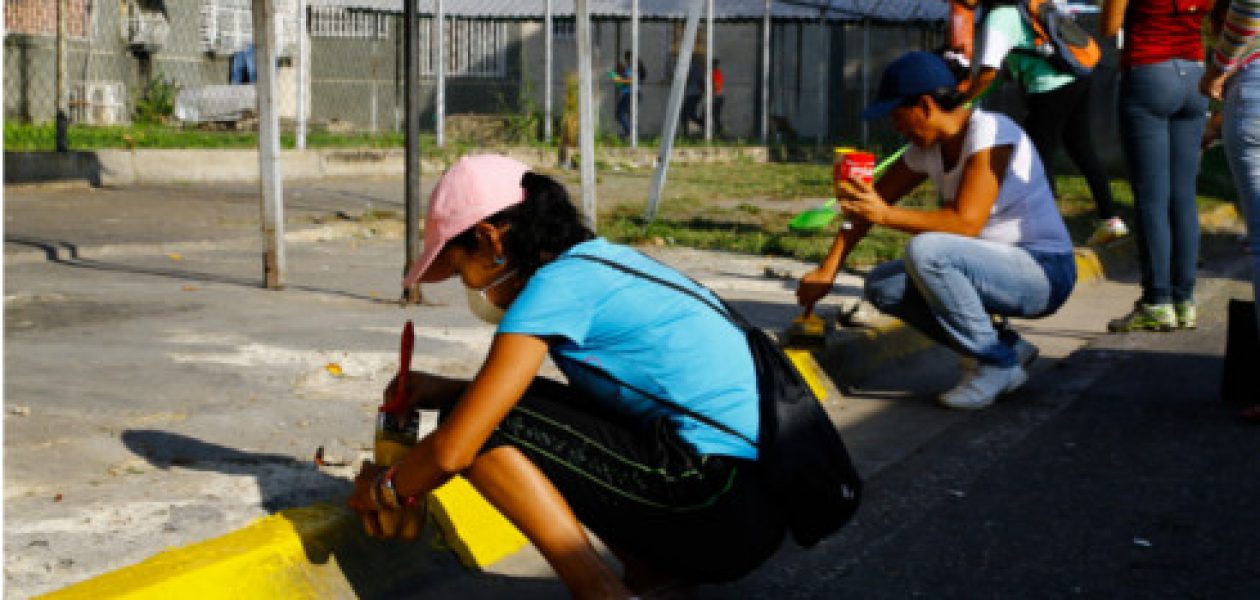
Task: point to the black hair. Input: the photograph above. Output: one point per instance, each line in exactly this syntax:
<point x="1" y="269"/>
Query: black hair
<point x="540" y="227"/>
<point x="948" y="98"/>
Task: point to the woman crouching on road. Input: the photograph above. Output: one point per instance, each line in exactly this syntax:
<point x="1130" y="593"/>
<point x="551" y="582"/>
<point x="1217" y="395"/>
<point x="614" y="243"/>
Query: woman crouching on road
<point x="674" y="497"/>
<point x="995" y="246"/>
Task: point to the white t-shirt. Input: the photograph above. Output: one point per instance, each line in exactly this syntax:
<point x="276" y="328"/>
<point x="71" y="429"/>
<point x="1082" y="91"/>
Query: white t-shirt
<point x="1004" y="30"/>
<point x="1024" y="214"/>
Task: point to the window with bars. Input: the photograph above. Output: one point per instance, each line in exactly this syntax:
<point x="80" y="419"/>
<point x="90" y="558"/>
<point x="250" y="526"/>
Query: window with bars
<point x="227" y="26"/>
<point x="474" y="48"/>
<point x="339" y="22"/>
<point x="563" y="29"/>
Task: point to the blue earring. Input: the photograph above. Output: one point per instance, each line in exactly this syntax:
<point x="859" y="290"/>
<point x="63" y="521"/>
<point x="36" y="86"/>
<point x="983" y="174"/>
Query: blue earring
<point x="498" y="261"/>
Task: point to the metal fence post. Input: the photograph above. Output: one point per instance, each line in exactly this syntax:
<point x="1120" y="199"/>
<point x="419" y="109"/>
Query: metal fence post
<point x="269" y="145"/>
<point x="708" y="72"/>
<point x="303" y="76"/>
<point x="672" y="108"/>
<point x="586" y="112"/>
<point x="547" y="83"/>
<point x="634" y="74"/>
<point x="765" y="75"/>
<point x="63" y="116"/>
<point x="440" y="99"/>
<point x="866" y="77"/>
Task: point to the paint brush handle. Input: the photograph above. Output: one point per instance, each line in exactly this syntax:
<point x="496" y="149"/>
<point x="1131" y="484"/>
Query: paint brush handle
<point x="398" y="404"/>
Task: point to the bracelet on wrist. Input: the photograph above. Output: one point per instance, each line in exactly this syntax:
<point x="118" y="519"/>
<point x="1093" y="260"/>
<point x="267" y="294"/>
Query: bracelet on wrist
<point x="396" y="500"/>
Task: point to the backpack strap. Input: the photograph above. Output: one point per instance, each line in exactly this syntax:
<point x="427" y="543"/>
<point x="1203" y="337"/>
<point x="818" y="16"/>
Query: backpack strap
<point x="669" y="284"/>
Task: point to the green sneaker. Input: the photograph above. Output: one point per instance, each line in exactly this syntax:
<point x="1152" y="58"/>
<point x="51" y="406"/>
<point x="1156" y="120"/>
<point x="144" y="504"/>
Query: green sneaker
<point x="1146" y="317"/>
<point x="1187" y="314"/>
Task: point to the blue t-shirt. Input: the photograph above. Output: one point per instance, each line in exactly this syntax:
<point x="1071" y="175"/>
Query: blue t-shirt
<point x="651" y="337"/>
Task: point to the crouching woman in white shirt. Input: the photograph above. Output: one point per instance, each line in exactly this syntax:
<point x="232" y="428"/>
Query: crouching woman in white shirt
<point x="995" y="246"/>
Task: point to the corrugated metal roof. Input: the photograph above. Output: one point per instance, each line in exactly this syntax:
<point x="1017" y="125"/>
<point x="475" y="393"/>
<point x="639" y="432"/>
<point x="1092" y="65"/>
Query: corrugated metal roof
<point x="843" y="10"/>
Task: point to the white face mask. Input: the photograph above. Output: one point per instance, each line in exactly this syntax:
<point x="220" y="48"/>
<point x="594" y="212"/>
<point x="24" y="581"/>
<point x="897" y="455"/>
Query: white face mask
<point x="481" y="306"/>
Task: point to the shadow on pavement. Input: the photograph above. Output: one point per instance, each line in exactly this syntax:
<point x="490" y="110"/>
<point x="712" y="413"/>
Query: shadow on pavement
<point x="283" y="481"/>
<point x="331" y="535"/>
<point x="67" y="254"/>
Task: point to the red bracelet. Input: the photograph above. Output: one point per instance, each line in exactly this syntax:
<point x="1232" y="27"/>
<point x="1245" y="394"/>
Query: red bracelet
<point x="399" y="499"/>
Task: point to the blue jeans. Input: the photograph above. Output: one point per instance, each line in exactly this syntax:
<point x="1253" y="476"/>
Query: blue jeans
<point x="623" y="113"/>
<point x="1162" y="115"/>
<point x="948" y="286"/>
<point x="1241" y="134"/>
<point x="241" y="68"/>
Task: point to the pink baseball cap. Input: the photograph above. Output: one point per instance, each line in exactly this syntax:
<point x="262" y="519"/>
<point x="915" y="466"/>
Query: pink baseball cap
<point x="473" y="188"/>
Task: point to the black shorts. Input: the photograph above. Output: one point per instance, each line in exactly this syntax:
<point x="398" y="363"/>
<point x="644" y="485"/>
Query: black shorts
<point x="643" y="489"/>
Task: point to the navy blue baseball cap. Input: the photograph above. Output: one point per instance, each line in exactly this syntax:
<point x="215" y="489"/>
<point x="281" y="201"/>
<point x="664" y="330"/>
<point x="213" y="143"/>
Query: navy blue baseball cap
<point x="907" y="78"/>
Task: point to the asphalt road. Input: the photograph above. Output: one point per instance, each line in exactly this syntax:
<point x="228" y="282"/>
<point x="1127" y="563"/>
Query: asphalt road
<point x="155" y="396"/>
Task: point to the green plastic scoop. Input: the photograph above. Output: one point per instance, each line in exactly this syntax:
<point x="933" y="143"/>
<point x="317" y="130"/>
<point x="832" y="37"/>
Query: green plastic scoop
<point x="820" y="217"/>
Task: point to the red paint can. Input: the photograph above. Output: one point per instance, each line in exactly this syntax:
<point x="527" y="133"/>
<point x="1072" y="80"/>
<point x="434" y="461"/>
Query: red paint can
<point x="857" y="165"/>
<point x="838" y="162"/>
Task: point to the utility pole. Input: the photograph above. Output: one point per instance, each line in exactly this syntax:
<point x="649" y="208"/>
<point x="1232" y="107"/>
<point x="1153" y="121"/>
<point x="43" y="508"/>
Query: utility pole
<point x="269" y="145"/>
<point x="411" y="97"/>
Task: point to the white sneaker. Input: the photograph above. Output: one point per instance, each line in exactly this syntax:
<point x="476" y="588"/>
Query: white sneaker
<point x="1111" y="229"/>
<point x="981" y="387"/>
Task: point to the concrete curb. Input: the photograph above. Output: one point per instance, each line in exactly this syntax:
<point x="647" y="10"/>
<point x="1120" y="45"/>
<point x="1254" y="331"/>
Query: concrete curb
<point x="320" y="551"/>
<point x="153" y="166"/>
<point x="310" y="552"/>
<point x="314" y="552"/>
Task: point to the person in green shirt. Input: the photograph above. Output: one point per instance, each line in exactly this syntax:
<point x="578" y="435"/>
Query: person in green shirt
<point x="1057" y="103"/>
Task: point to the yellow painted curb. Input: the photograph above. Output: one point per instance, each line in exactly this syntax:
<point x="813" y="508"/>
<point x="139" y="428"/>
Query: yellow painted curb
<point x="477" y="533"/>
<point x="1089" y="266"/>
<point x="805" y="364"/>
<point x="294" y="555"/>
<point x="1221" y="217"/>
<point x="267" y="559"/>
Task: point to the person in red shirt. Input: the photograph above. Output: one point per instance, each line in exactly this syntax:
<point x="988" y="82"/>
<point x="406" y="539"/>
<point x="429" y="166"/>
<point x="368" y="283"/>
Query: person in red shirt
<point x="1162" y="116"/>
<point x="718" y="84"/>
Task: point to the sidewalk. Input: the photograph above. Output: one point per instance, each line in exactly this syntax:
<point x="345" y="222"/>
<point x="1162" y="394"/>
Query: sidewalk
<point x="156" y="396"/>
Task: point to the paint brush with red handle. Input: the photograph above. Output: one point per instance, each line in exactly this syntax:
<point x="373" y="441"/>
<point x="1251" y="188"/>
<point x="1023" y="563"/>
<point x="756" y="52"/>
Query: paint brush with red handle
<point x="395" y="436"/>
<point x="397" y="406"/>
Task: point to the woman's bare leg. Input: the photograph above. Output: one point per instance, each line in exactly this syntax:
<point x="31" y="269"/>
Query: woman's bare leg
<point x="515" y="486"/>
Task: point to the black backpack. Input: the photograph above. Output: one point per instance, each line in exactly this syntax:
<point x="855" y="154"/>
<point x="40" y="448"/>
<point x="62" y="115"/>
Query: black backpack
<point x="802" y="459"/>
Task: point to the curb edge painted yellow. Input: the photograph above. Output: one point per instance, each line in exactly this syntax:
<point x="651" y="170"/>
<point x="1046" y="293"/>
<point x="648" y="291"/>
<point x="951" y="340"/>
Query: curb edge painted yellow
<point x="265" y="559"/>
<point x="292" y="554"/>
<point x="1089" y="266"/>
<point x="809" y="369"/>
<point x="477" y="533"/>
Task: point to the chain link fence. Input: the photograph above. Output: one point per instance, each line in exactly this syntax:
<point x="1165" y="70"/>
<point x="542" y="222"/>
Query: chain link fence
<point x="189" y="64"/>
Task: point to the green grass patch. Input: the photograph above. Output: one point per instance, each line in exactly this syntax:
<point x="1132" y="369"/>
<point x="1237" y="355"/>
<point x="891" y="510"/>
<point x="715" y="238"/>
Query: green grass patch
<point x="31" y="138"/>
<point x="702" y="209"/>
